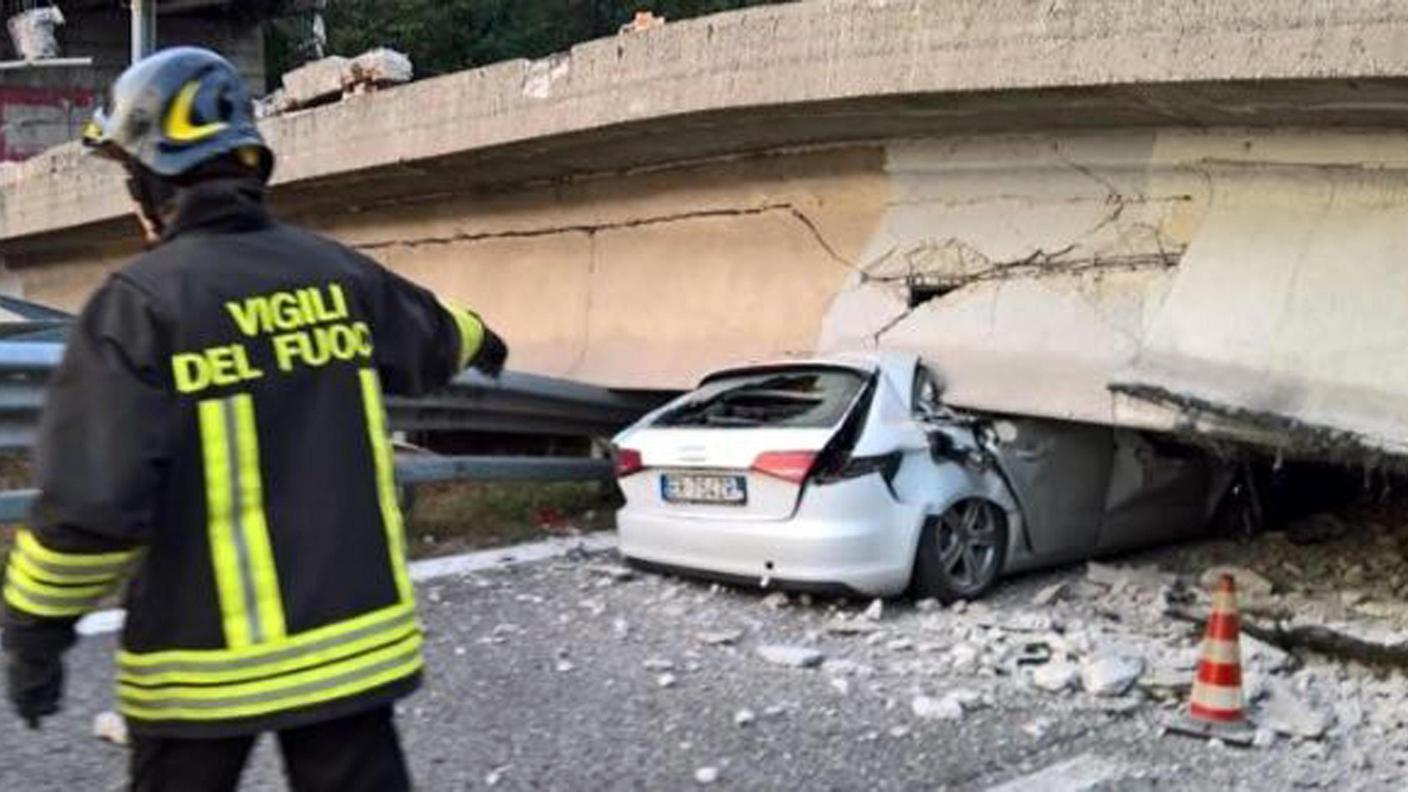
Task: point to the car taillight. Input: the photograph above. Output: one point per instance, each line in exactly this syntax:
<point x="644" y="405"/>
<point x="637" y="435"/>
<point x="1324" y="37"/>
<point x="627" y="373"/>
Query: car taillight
<point x="790" y="466"/>
<point x="887" y="465"/>
<point x="628" y="461"/>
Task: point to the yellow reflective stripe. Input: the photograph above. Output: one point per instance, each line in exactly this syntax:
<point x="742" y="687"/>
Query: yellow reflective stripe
<point x="296" y="662"/>
<point x="20" y="601"/>
<point x="352" y="688"/>
<point x="20" y="577"/>
<point x="255" y="527"/>
<point x="47" y="574"/>
<point x="220" y="656"/>
<point x="266" y="687"/>
<point x="215" y="453"/>
<point x="80" y="562"/>
<point x="391" y="516"/>
<point x="471" y="329"/>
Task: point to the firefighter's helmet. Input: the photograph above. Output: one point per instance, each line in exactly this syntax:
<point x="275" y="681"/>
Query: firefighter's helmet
<point x="177" y="110"/>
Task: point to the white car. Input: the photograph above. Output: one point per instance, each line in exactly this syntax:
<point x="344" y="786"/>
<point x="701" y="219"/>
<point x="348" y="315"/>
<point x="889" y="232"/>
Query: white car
<point x="849" y="475"/>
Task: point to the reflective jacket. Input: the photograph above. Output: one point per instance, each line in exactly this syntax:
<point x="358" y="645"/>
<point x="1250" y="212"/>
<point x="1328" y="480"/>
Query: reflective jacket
<point x="216" y="429"/>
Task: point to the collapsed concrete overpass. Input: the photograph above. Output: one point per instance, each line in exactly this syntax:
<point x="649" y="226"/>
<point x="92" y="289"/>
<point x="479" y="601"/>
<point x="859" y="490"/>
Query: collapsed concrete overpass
<point x="1203" y="203"/>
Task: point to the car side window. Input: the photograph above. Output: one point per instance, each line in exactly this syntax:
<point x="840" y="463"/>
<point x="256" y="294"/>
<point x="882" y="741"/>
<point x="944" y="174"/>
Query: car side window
<point x="925" y="400"/>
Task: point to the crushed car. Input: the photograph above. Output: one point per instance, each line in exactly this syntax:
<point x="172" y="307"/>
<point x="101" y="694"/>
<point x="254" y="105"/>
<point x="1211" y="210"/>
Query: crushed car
<point x="850" y="475"/>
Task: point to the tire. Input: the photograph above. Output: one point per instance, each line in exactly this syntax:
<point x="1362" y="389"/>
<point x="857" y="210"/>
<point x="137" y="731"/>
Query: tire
<point x="961" y="551"/>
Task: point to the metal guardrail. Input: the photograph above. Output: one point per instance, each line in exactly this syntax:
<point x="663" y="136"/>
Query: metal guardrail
<point x="513" y="404"/>
<point x="14" y="504"/>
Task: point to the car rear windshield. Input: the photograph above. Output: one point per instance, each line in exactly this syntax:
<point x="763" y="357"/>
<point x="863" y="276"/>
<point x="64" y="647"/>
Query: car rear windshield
<point x="799" y="398"/>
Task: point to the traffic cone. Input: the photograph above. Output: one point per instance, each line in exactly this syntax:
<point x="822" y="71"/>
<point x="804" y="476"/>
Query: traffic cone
<point x="1217" y="688"/>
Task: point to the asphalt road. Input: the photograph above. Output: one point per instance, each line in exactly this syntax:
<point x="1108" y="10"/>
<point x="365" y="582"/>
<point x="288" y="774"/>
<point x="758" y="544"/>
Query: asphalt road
<point x="552" y="675"/>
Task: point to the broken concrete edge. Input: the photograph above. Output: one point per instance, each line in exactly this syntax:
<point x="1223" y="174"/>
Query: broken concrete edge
<point x="1283" y="434"/>
<point x="423" y="571"/>
<point x="766" y="57"/>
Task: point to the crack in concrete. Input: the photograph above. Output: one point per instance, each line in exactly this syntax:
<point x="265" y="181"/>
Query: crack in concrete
<point x="591" y="229"/>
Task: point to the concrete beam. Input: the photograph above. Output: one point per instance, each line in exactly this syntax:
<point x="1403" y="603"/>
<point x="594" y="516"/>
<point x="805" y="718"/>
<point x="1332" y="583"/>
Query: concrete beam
<point x="799" y="74"/>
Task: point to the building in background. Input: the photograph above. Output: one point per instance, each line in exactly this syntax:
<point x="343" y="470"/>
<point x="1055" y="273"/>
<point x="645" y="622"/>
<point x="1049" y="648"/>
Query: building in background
<point x="43" y="104"/>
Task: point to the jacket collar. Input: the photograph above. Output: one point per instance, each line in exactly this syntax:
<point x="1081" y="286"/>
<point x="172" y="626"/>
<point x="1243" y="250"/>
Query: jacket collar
<point x="221" y="206"/>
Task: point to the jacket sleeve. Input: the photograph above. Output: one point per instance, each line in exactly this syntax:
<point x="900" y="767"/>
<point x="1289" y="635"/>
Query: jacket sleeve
<point x="421" y="343"/>
<point x="100" y="457"/>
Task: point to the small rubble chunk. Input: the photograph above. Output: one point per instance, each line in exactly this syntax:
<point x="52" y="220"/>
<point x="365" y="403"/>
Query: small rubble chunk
<point x="666" y="680"/>
<point x="110" y="727"/>
<point x="928" y="605"/>
<point x="876" y="611"/>
<point x="744" y="717"/>
<point x="851" y="627"/>
<point x="705" y="776"/>
<point x="1037" y="727"/>
<point x="1049" y="594"/>
<point x="777" y="600"/>
<point x="719" y="637"/>
<point x="964" y="657"/>
<point x="1248" y="582"/>
<point x="791" y="656"/>
<point x="614" y="572"/>
<point x="1111" y="673"/>
<point x="1056" y="677"/>
<point x="929" y="708"/>
<point x="841" y="685"/>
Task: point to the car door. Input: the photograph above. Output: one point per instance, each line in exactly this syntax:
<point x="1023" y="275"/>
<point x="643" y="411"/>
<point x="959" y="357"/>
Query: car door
<point x="1059" y="472"/>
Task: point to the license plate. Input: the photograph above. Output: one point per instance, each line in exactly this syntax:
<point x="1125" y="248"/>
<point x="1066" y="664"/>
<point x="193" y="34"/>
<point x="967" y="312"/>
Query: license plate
<point x="726" y="490"/>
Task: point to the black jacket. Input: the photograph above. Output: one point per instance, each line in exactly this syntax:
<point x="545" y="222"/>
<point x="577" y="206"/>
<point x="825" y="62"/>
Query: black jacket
<point x="216" y="429"/>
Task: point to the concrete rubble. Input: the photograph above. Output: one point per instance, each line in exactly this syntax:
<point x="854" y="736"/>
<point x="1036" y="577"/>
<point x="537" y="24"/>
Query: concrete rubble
<point x="331" y="78"/>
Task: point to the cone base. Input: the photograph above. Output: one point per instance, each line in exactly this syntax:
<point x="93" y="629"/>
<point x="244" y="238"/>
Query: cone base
<point x="1240" y="734"/>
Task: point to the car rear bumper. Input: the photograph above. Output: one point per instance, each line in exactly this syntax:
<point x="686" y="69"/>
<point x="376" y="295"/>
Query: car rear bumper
<point x="848" y="536"/>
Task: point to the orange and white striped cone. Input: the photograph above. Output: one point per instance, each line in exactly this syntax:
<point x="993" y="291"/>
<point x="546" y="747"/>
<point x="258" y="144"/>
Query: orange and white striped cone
<point x="1217" y="688"/>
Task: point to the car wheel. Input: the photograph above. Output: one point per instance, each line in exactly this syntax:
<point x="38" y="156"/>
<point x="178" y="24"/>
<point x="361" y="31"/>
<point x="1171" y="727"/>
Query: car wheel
<point x="961" y="551"/>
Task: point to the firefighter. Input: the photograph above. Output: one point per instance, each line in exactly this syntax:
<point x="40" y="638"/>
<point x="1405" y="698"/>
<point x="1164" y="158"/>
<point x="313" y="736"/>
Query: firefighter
<point x="216" y="432"/>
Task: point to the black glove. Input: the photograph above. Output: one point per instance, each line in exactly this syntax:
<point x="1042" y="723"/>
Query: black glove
<point x="35" y="685"/>
<point x="492" y="354"/>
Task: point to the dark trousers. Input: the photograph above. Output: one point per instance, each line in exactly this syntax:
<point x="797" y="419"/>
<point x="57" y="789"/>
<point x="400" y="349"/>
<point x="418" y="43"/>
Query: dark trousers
<point x="353" y="754"/>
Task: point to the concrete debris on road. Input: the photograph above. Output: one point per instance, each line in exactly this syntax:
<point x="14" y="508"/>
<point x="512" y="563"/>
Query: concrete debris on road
<point x="777" y="600"/>
<point x="791" y="656"/>
<point x="744" y="717"/>
<point x="929" y="708"/>
<point x="1056" y="677"/>
<point x="706" y="775"/>
<point x="1248" y="582"/>
<point x="719" y="637"/>
<point x="1111" y="673"/>
<point x="1284" y="712"/>
<point x="876" y="611"/>
<point x="111" y="727"/>
<point x="1048" y="594"/>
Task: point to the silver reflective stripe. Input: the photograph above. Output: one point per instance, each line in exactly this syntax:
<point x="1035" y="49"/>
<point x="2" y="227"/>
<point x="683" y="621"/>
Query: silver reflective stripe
<point x="346" y="678"/>
<point x="257" y="664"/>
<point x="64" y="574"/>
<point x="237" y="523"/>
